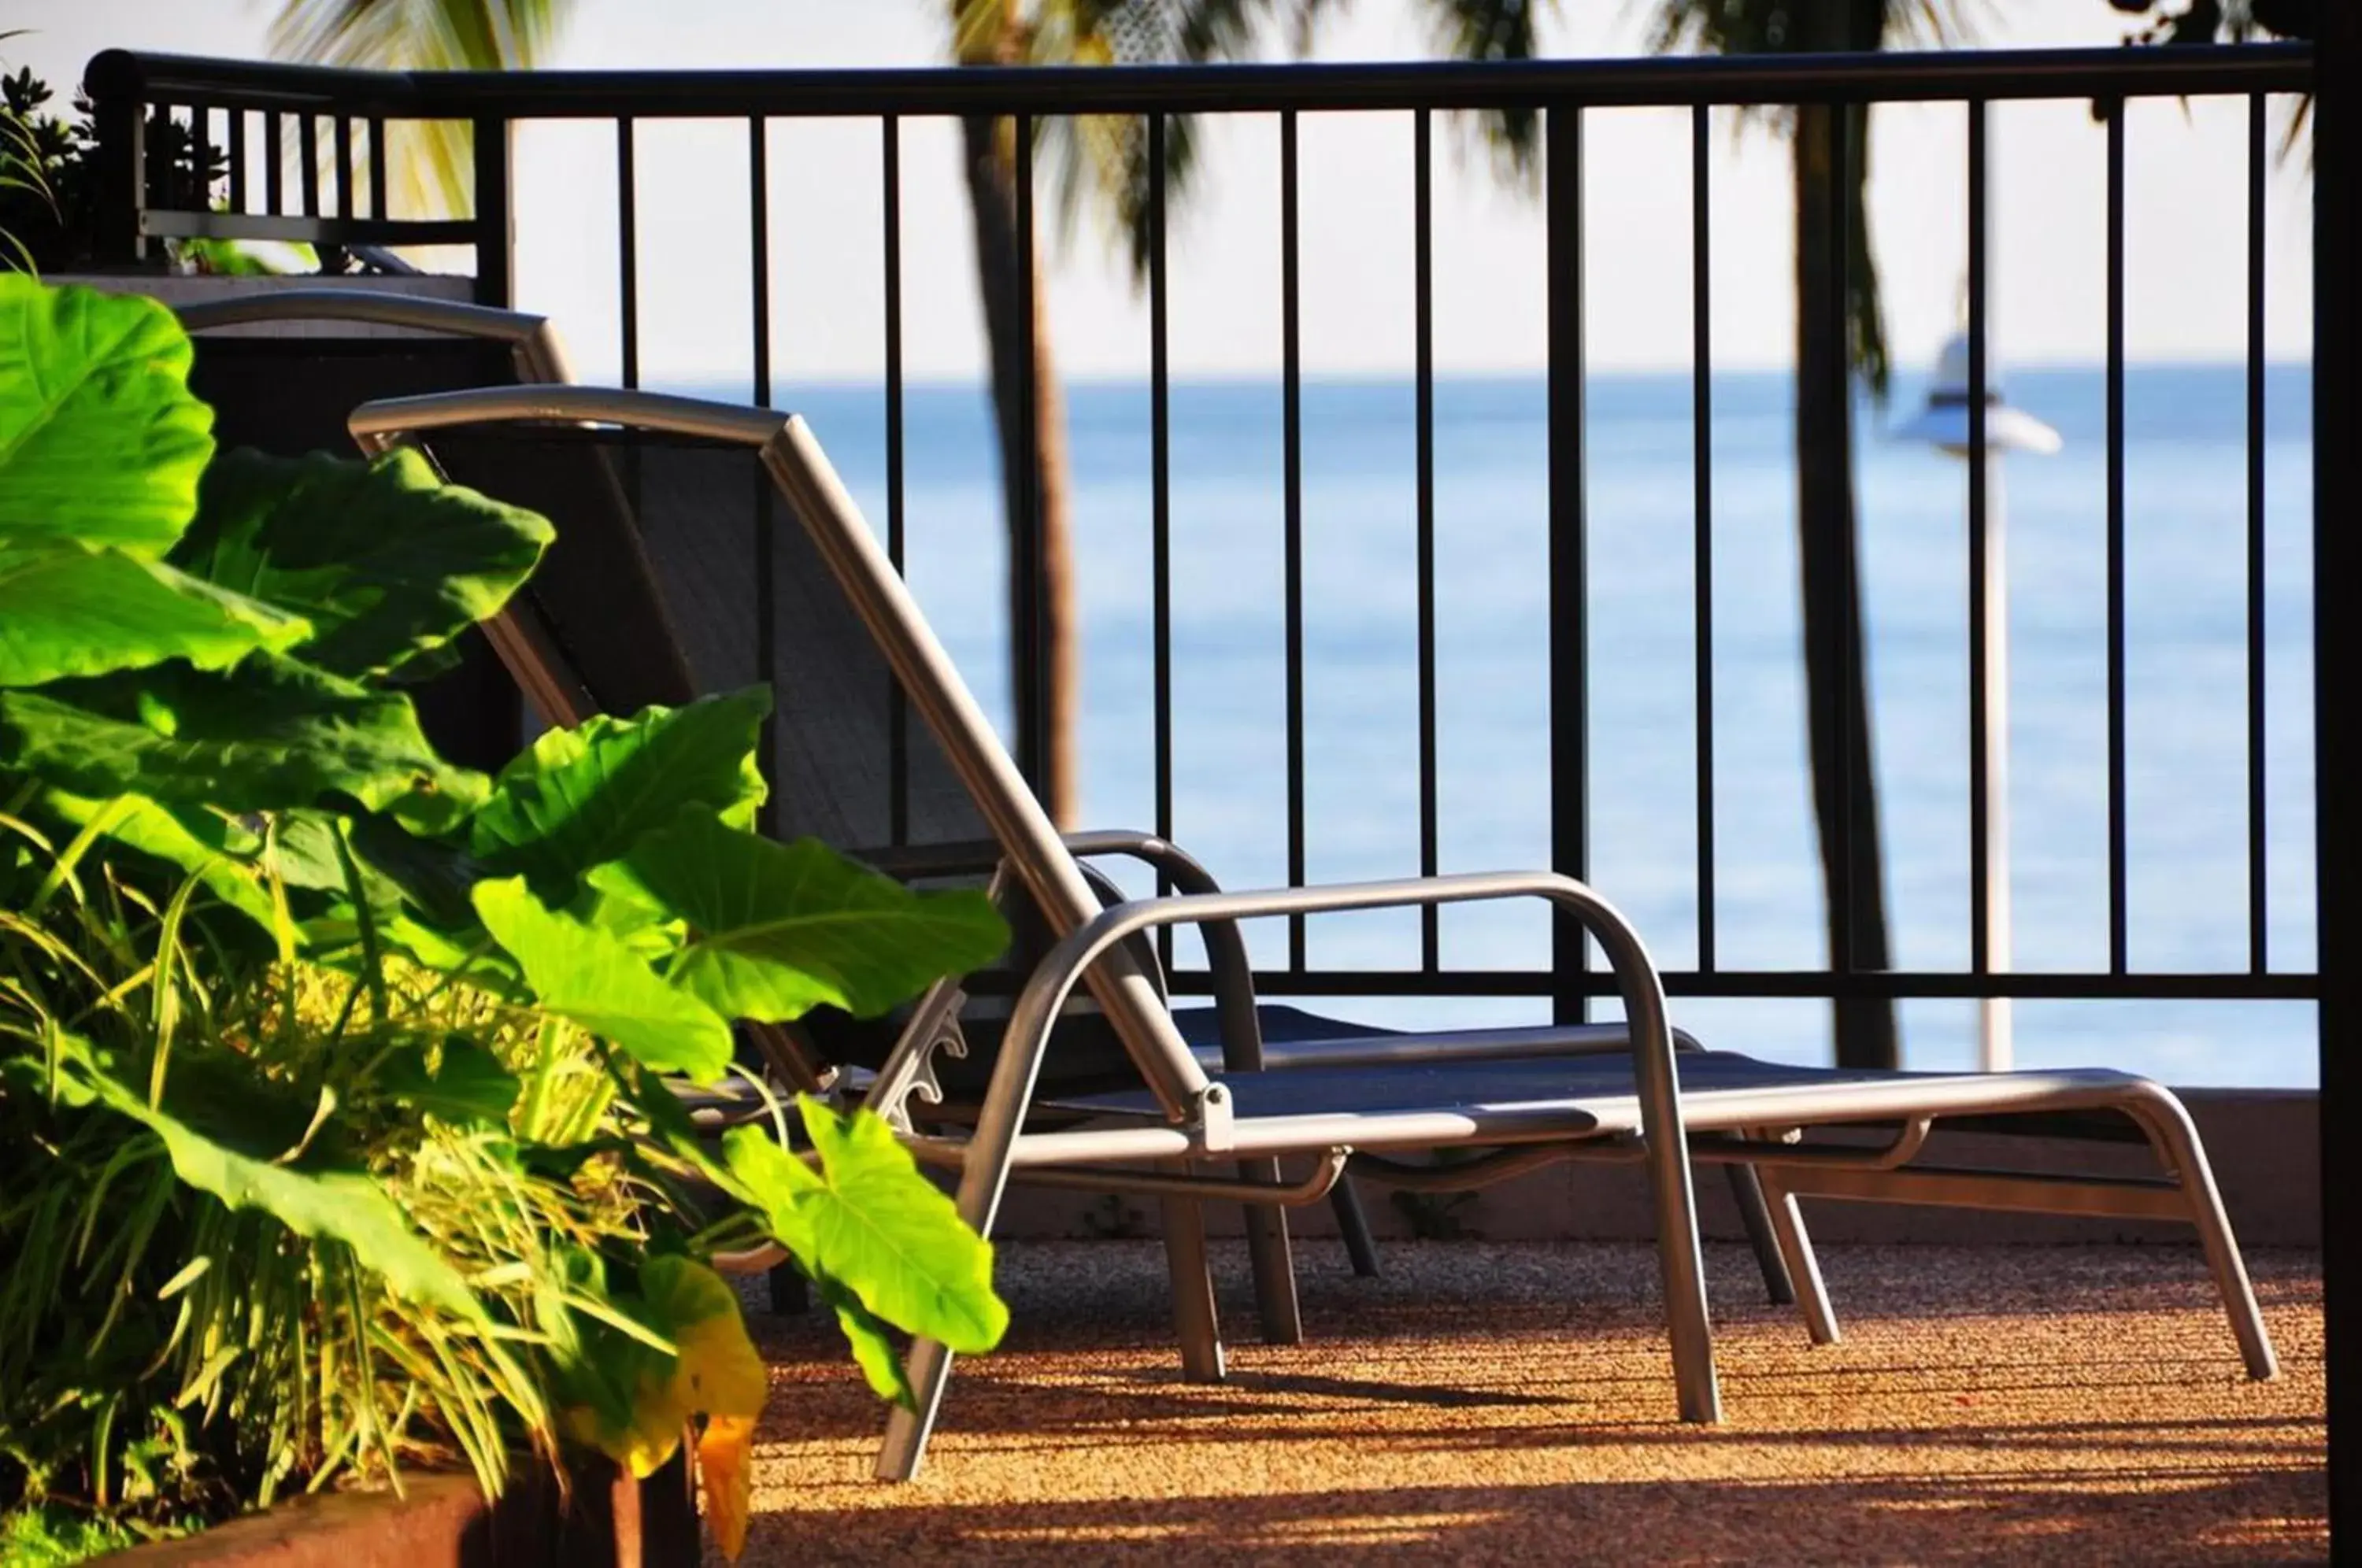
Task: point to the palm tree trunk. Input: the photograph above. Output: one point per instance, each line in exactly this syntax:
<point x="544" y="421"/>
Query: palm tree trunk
<point x="1836" y="689"/>
<point x="1046" y="673"/>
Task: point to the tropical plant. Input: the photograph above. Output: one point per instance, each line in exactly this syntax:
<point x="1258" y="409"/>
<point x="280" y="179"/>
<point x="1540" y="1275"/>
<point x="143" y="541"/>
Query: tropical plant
<point x="334" y="1123"/>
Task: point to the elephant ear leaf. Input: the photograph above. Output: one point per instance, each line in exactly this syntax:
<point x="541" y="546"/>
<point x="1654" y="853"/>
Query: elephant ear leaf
<point x="101" y="440"/>
<point x="580" y="972"/>
<point x="69" y="612"/>
<point x="776" y="929"/>
<point x="268" y="734"/>
<point x="386" y="560"/>
<point x="584" y="796"/>
<point x="342" y="1205"/>
<point x="868" y="1219"/>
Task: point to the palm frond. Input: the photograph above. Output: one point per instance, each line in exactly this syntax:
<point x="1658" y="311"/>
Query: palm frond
<point x="433" y="160"/>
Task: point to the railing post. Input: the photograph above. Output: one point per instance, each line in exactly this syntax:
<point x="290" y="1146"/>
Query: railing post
<point x="2337" y="722"/>
<point x="122" y="177"/>
<point x="1570" y="677"/>
<point x="495" y="216"/>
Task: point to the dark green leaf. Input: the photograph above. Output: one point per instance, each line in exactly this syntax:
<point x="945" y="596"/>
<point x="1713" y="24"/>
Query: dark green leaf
<point x="100" y="442"/>
<point x="345" y="1205"/>
<point x="387" y="560"/>
<point x="270" y="734"/>
<point x="775" y="929"/>
<point x="585" y="795"/>
<point x="582" y="973"/>
<point x="189" y="838"/>
<point x="468" y="1085"/>
<point x="873" y="1351"/>
<point x="66" y="612"/>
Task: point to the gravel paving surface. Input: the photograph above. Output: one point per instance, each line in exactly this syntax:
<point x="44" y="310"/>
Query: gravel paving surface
<point x="1514" y="1403"/>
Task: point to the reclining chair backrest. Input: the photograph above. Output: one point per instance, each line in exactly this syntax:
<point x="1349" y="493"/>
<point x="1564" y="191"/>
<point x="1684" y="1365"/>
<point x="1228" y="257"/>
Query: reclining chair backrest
<point x="748" y="595"/>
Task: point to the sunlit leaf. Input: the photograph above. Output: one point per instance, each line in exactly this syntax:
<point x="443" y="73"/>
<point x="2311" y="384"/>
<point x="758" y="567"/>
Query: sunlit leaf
<point x="775" y="929"/>
<point x="583" y="796"/>
<point x="582" y="973"/>
<point x="66" y="612"/>
<point x="725" y="1479"/>
<point x="101" y="441"/>
<point x="868" y="1220"/>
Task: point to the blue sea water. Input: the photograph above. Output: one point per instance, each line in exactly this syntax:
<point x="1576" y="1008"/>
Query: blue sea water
<point x="2186" y="720"/>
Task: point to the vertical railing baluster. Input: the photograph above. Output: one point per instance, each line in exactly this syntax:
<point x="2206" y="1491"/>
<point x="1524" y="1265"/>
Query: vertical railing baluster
<point x="237" y="160"/>
<point x="1702" y="507"/>
<point x="2118" y="944"/>
<point x="162" y="165"/>
<point x="307" y="175"/>
<point x="1845" y="628"/>
<point x="627" y="245"/>
<point x="898" y="715"/>
<point x="1292" y="436"/>
<point x="494" y="217"/>
<point x="377" y="168"/>
<point x="274" y="177"/>
<point x="1030" y="669"/>
<point x="2259" y="954"/>
<point x="758" y="267"/>
<point x="343" y="129"/>
<point x="1160" y="505"/>
<point x="1568" y="618"/>
<point x="1980" y="739"/>
<point x="1430" y="937"/>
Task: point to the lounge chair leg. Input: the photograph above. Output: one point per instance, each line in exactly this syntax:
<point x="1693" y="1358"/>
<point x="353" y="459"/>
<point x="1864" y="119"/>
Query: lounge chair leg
<point x="2167" y="1121"/>
<point x="1804" y="1266"/>
<point x="1756" y="1215"/>
<point x="1353" y="1225"/>
<point x="791" y="1291"/>
<point x="929" y="1371"/>
<point x="1194" y="1318"/>
<point x="1274" y="1268"/>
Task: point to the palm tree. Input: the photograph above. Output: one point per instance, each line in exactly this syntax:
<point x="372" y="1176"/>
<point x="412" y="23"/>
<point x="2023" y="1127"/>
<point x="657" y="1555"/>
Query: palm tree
<point x="1103" y="158"/>
<point x="1840" y="337"/>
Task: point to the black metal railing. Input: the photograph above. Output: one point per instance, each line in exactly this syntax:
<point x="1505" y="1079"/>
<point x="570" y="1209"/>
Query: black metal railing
<point x="145" y="202"/>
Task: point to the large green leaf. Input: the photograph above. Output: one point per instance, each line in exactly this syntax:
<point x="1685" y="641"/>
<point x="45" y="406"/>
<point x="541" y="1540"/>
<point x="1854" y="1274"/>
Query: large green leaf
<point x="869" y="1220"/>
<point x="344" y="1205"/>
<point x="585" y="795"/>
<point x="68" y="611"/>
<point x="583" y="973"/>
<point x="189" y="838"/>
<point x="101" y="441"/>
<point x="776" y="929"/>
<point x="265" y="734"/>
<point x="387" y="560"/>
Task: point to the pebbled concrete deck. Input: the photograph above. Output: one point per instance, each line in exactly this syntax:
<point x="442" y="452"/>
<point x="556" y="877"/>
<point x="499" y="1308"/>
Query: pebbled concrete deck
<point x="1490" y="1403"/>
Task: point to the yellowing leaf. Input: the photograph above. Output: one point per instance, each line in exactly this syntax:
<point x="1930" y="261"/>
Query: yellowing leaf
<point x="716" y="1371"/>
<point x="725" y="1476"/>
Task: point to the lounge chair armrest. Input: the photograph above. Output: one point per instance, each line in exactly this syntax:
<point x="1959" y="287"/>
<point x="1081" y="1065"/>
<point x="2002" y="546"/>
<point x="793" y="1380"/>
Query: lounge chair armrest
<point x="1225" y="949"/>
<point x="1627" y="958"/>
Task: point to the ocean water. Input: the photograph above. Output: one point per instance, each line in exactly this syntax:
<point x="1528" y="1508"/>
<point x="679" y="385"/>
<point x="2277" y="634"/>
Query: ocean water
<point x="2186" y="685"/>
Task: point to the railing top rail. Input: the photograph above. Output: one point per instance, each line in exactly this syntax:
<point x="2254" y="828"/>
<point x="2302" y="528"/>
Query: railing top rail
<point x="1660" y="81"/>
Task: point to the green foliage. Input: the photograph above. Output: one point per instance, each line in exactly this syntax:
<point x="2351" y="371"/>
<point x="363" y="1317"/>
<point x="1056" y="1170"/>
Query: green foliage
<point x="866" y="1220"/>
<point x="585" y="796"/>
<point x="384" y="560"/>
<point x="101" y="440"/>
<point x="271" y="734"/>
<point x="74" y="611"/>
<point x="582" y="973"/>
<point x="776" y="930"/>
<point x="331" y="1134"/>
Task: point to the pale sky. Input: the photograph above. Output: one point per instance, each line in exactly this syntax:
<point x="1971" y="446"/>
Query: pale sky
<point x="2186" y="199"/>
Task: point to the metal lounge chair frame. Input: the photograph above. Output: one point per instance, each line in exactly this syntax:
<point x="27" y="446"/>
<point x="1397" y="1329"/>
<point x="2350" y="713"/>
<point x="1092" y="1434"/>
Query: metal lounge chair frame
<point x="527" y="645"/>
<point x="1626" y="1108"/>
